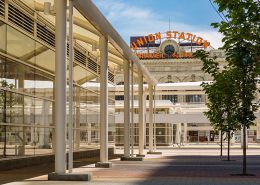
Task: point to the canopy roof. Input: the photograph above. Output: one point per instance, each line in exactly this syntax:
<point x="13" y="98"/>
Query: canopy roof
<point x="89" y="25"/>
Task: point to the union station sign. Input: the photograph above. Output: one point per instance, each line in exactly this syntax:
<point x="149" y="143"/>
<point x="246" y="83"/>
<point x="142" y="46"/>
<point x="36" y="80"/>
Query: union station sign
<point x="165" y="45"/>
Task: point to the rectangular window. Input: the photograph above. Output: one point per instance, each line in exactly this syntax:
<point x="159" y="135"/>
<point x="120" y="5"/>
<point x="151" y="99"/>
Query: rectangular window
<point x="193" y="98"/>
<point x="119" y="97"/>
<point x="172" y="98"/>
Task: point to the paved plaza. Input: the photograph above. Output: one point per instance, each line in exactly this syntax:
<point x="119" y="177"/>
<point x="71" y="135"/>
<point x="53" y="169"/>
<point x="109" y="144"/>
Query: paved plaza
<point x="174" y="166"/>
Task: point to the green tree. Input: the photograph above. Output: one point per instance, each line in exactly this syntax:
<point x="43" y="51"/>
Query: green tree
<point x="242" y="46"/>
<point x="222" y="97"/>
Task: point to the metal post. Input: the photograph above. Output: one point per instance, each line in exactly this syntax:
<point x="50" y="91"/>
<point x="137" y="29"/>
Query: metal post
<point x="77" y="119"/>
<point x="71" y="56"/>
<point x="178" y="134"/>
<point x="103" y="44"/>
<point x="126" y="110"/>
<point x="150" y="86"/>
<point x="154" y="123"/>
<point x="132" y="110"/>
<point x="185" y="133"/>
<point x="23" y="135"/>
<point x="141" y="114"/>
<point x="60" y="85"/>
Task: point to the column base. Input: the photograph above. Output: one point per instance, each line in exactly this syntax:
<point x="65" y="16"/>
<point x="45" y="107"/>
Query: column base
<point x="69" y="176"/>
<point x="131" y="158"/>
<point x="154" y="152"/>
<point x="103" y="165"/>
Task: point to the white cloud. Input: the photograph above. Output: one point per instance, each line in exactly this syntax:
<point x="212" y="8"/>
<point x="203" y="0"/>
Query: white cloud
<point x="214" y="37"/>
<point x="131" y="20"/>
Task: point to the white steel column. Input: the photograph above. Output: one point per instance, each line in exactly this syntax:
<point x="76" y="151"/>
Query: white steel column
<point x="178" y="134"/>
<point x="89" y="132"/>
<point x="71" y="108"/>
<point x="257" y="130"/>
<point x="150" y="87"/>
<point x="154" y="122"/>
<point x="103" y="44"/>
<point x="77" y="119"/>
<point x="60" y="85"/>
<point x="185" y="133"/>
<point x="126" y="110"/>
<point x="132" y="110"/>
<point x="141" y="114"/>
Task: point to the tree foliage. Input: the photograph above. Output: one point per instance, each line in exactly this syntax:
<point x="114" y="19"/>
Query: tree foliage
<point x="242" y="46"/>
<point x="222" y="95"/>
<point x="240" y="29"/>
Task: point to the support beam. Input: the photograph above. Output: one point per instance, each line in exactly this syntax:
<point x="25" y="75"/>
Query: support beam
<point x="141" y="114"/>
<point x="150" y="88"/>
<point x="71" y="93"/>
<point x="131" y="157"/>
<point x="178" y="134"/>
<point x="77" y="119"/>
<point x="22" y="134"/>
<point x="34" y="53"/>
<point x="60" y="85"/>
<point x="103" y="45"/>
<point x="132" y="110"/>
<point x="126" y="110"/>
<point x="185" y="133"/>
<point x="60" y="97"/>
<point x="154" y="123"/>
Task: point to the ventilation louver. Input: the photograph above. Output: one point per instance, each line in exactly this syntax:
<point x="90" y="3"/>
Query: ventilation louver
<point x="20" y="19"/>
<point x="110" y="77"/>
<point x="45" y="35"/>
<point x="2" y="8"/>
<point x="92" y="65"/>
<point x="79" y="57"/>
<point x="44" y="31"/>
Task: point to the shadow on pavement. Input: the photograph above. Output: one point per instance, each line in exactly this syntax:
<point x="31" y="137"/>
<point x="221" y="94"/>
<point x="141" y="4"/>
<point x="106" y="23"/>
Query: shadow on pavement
<point x="200" y="170"/>
<point x="22" y="174"/>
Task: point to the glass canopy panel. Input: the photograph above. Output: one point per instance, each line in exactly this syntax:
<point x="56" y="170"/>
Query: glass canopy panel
<point x="18" y="44"/>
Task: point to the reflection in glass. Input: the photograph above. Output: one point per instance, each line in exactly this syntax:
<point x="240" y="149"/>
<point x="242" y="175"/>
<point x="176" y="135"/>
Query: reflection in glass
<point x="3" y="37"/>
<point x="19" y="45"/>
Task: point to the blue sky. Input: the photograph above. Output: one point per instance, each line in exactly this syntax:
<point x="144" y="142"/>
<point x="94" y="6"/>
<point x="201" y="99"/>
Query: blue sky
<point x="141" y="17"/>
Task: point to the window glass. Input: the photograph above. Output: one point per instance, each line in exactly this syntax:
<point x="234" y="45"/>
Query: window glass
<point x="44" y="58"/>
<point x="2" y="37"/>
<point x="172" y="98"/>
<point x="20" y="45"/>
<point x="193" y="98"/>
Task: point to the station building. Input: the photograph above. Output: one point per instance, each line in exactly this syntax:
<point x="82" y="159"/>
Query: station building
<point x="179" y="98"/>
<point x="151" y="90"/>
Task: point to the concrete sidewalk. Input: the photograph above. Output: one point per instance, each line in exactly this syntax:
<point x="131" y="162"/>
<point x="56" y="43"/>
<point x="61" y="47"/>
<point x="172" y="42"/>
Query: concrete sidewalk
<point x="179" y="167"/>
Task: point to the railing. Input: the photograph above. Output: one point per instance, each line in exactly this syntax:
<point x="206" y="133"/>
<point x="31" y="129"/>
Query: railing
<point x="27" y="19"/>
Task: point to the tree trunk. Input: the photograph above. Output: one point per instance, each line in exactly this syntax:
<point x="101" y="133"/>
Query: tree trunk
<point x="228" y="146"/>
<point x="221" y="143"/>
<point x="244" y="150"/>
